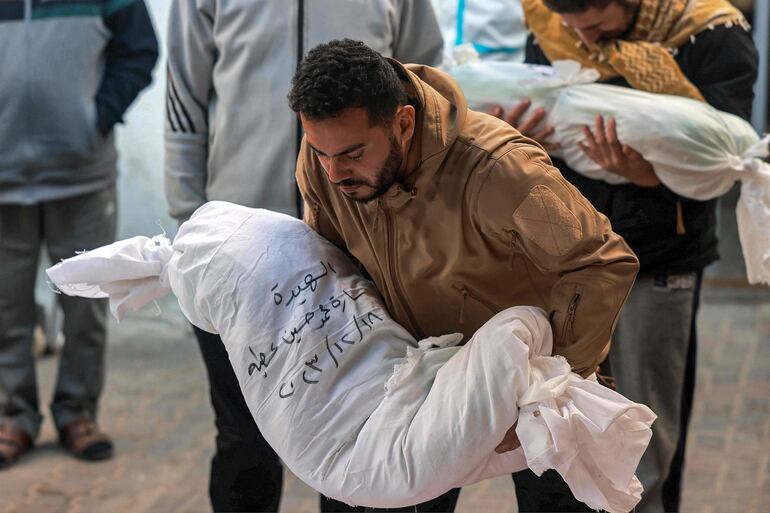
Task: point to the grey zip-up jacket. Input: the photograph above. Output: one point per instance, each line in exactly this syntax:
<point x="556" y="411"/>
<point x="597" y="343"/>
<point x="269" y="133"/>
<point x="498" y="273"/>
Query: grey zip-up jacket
<point x="230" y="134"/>
<point x="70" y="70"/>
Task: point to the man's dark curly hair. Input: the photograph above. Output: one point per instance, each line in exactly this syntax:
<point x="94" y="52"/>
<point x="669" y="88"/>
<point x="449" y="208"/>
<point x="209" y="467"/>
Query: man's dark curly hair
<point x="344" y="73"/>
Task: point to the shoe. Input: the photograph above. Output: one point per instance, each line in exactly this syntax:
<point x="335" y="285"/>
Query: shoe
<point x="14" y="442"/>
<point x="83" y="439"/>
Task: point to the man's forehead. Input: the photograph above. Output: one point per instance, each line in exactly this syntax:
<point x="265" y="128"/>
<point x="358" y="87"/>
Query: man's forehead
<point x="349" y="116"/>
<point x="338" y="134"/>
<point x="349" y="120"/>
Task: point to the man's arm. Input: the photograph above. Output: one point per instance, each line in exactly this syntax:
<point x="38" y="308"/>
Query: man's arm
<point x="130" y="57"/>
<point x="722" y="64"/>
<point x="191" y="58"/>
<point x="418" y="38"/>
<point x="527" y="205"/>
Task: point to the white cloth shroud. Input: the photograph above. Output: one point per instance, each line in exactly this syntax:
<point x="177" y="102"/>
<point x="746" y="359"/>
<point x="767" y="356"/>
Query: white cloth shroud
<point x="350" y="401"/>
<point x="697" y="151"/>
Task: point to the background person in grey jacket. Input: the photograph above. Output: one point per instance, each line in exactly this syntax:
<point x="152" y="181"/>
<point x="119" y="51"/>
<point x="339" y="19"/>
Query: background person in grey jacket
<point x="231" y="136"/>
<point x="70" y="70"/>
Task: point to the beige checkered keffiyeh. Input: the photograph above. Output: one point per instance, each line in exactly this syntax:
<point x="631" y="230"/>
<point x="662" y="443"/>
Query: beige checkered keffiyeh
<point x="645" y="58"/>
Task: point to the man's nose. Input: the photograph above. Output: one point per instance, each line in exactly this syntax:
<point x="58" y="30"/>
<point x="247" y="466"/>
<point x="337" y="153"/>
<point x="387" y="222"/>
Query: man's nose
<point x="336" y="170"/>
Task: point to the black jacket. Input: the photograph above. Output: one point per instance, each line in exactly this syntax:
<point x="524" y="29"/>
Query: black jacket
<point x="722" y="64"/>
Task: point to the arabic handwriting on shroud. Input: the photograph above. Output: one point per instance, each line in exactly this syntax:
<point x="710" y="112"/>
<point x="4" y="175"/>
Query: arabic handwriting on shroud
<point x="312" y="370"/>
<point x="309" y="281"/>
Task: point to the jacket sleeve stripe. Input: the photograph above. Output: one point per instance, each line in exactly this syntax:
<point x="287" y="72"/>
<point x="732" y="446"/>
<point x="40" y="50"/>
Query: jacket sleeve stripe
<point x="171" y="105"/>
<point x="176" y="114"/>
<point x="171" y="123"/>
<point x="175" y="94"/>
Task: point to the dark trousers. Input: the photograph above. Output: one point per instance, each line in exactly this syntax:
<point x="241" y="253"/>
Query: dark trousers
<point x="246" y="474"/>
<point x="548" y="492"/>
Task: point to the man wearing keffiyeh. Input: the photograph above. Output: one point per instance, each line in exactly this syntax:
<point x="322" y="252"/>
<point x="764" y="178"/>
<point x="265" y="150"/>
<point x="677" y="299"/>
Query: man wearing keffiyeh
<point x="700" y="49"/>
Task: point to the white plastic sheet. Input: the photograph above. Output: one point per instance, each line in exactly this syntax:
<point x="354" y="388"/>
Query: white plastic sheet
<point x="352" y="404"/>
<point x="697" y="151"/>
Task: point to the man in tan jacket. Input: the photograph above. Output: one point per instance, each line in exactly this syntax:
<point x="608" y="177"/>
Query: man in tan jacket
<point x="453" y="213"/>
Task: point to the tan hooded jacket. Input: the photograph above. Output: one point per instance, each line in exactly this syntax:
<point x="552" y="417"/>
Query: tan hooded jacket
<point x="482" y="222"/>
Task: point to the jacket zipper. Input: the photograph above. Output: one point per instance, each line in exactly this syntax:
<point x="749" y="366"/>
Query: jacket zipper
<point x="390" y="236"/>
<point x="464" y="292"/>
<point x="300" y="53"/>
<point x="569" y="322"/>
<point x="514" y="239"/>
<point x="27" y="83"/>
<point x="468" y="294"/>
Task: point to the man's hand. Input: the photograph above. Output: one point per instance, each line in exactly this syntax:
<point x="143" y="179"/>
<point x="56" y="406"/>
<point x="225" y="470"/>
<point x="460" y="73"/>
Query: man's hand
<point x="603" y="147"/>
<point x="528" y="126"/>
<point x="510" y="441"/>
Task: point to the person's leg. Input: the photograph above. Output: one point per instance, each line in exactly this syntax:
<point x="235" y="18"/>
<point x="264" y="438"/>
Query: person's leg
<point x="246" y="474"/>
<point x="548" y="492"/>
<point x="442" y="504"/>
<point x="333" y="506"/>
<point x="19" y="251"/>
<point x="672" y="488"/>
<point x="648" y="357"/>
<point x="72" y="225"/>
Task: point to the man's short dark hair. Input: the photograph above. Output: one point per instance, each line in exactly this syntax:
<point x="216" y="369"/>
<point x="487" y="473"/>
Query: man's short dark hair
<point x="342" y="74"/>
<point x="575" y="6"/>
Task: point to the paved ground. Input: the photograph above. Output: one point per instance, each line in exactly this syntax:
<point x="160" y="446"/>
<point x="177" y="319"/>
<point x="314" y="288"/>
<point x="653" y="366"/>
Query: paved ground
<point x="157" y="410"/>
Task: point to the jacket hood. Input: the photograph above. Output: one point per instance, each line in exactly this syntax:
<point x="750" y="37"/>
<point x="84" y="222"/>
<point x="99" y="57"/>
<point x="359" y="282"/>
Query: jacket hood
<point x="441" y="114"/>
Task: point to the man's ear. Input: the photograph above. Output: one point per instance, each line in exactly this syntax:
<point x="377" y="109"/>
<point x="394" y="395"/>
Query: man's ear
<point x="404" y="122"/>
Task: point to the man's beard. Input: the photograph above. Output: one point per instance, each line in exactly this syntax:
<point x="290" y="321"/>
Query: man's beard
<point x="389" y="173"/>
